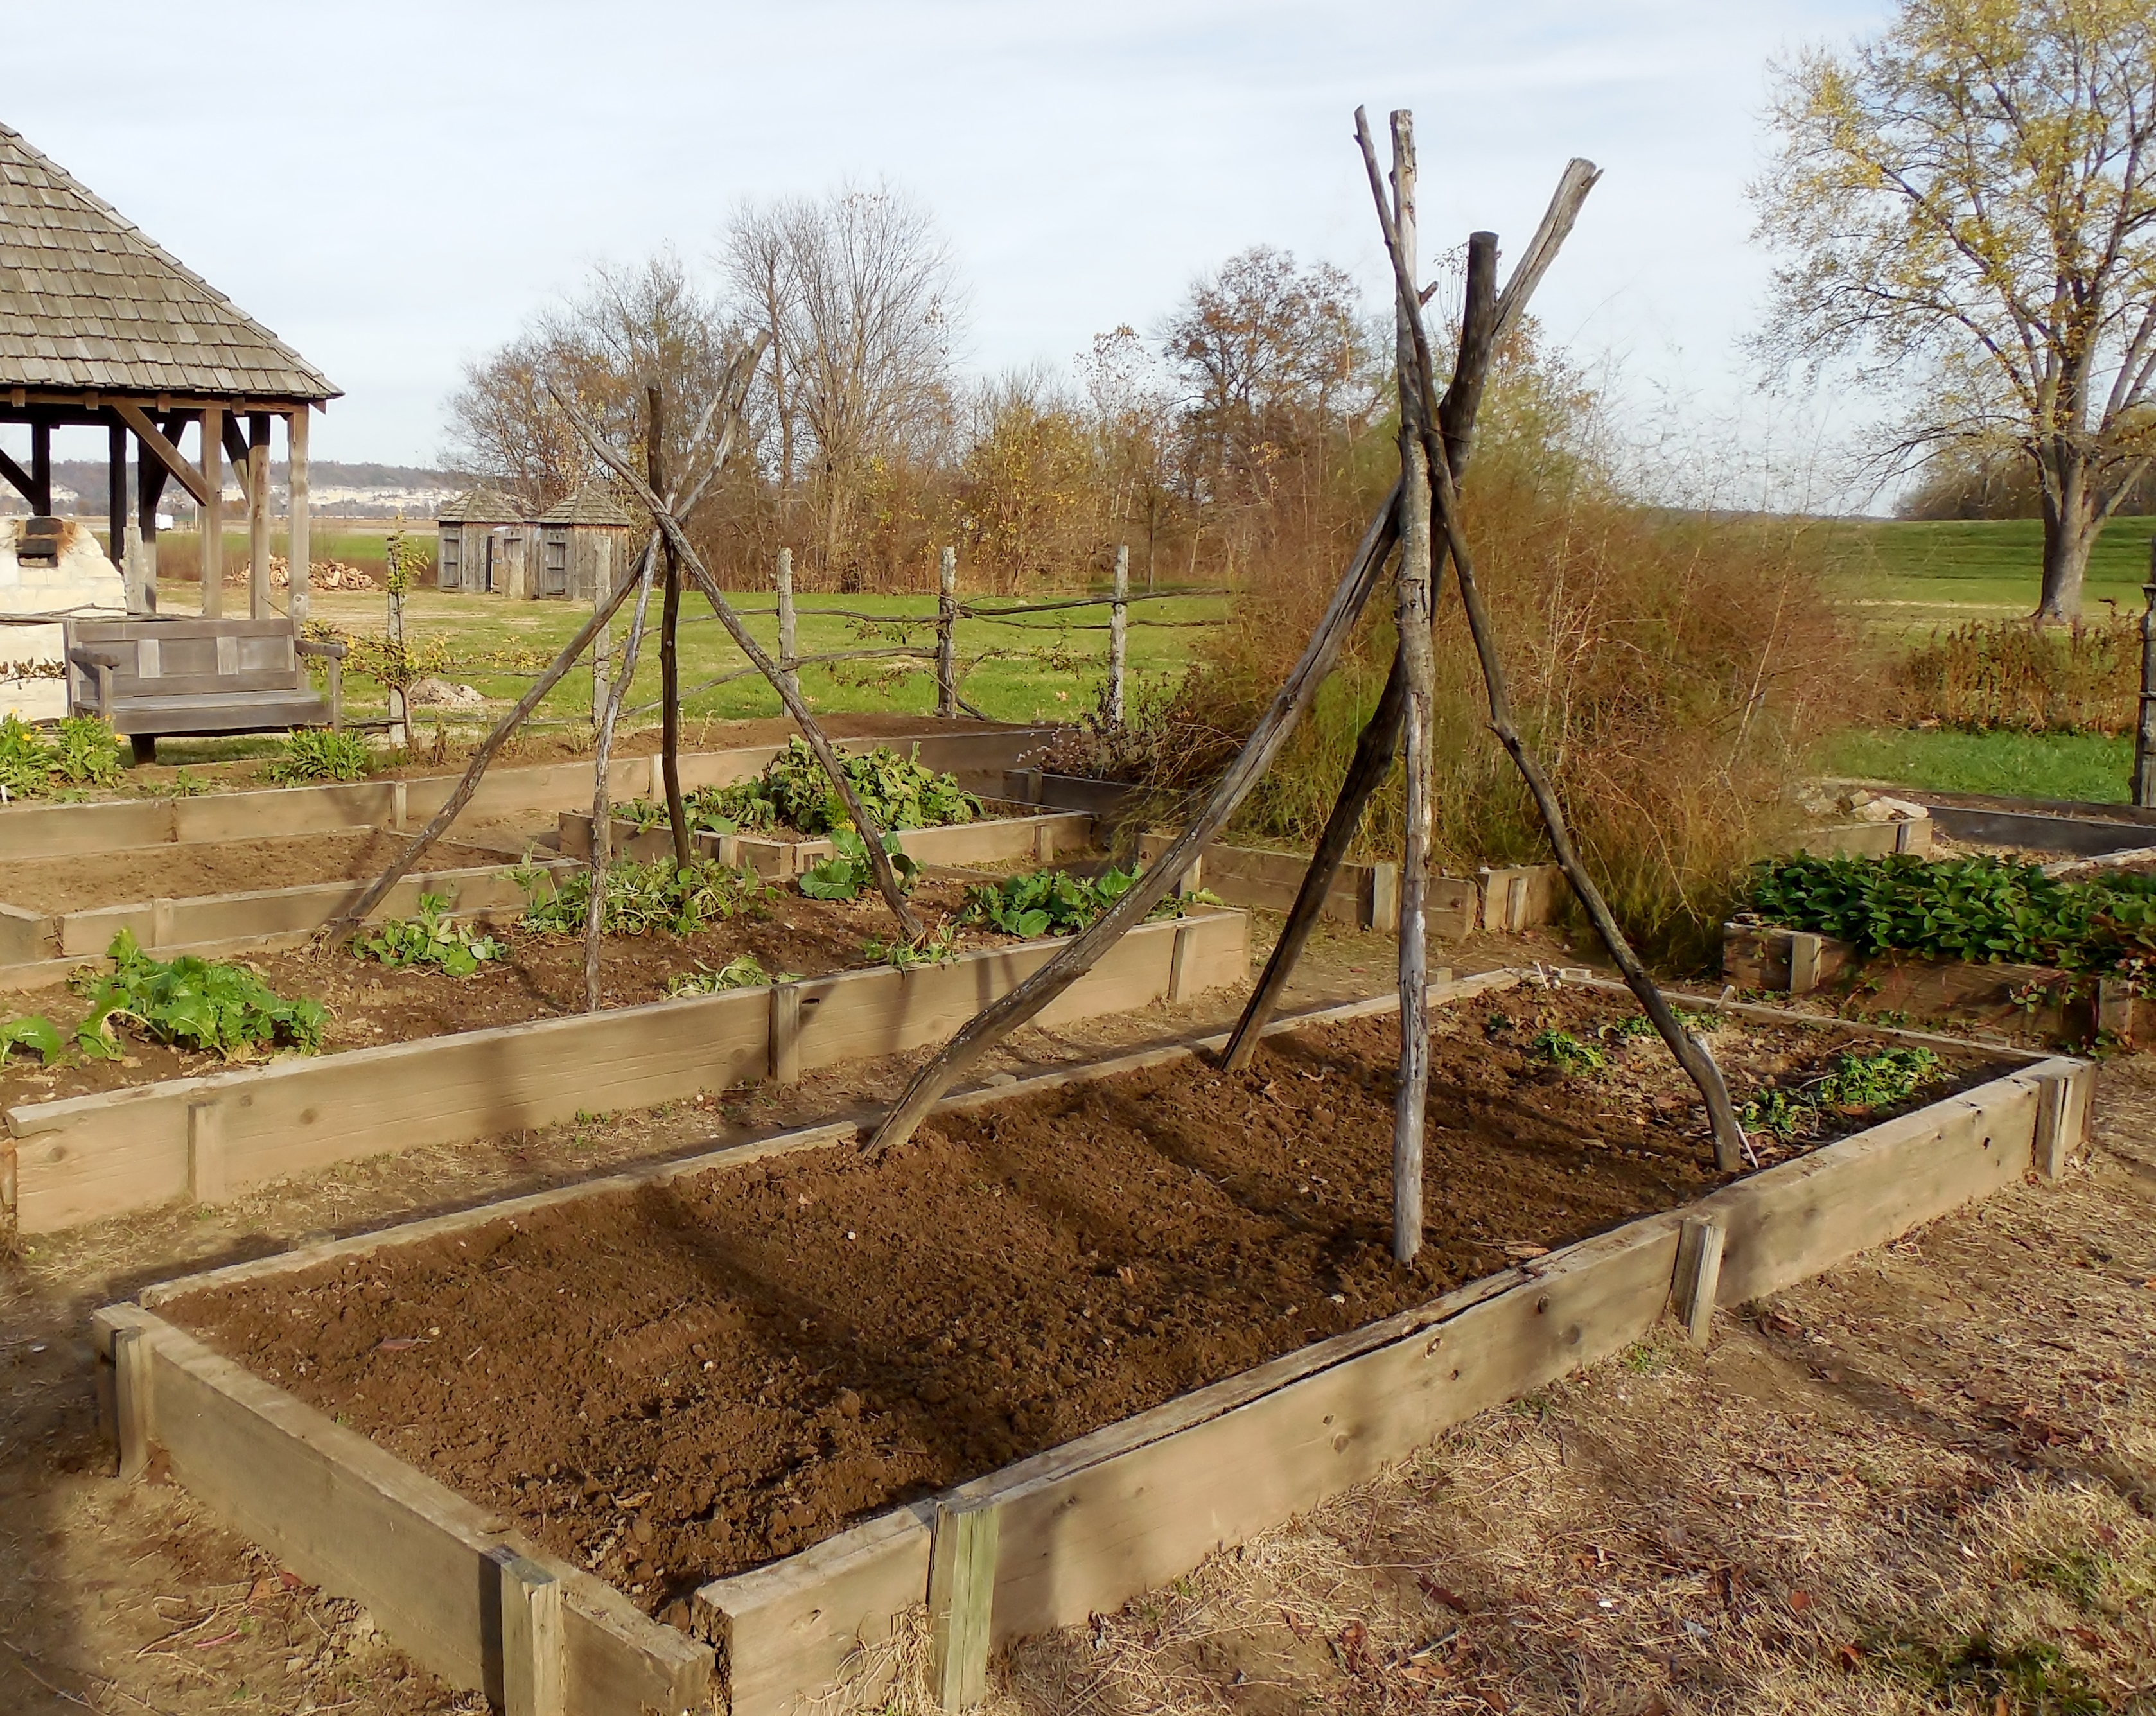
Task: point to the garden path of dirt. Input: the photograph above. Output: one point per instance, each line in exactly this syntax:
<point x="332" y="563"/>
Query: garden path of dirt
<point x="732" y="1367"/>
<point x="1643" y="1484"/>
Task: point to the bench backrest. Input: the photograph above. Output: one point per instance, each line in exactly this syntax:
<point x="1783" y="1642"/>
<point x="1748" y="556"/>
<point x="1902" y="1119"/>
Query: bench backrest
<point x="182" y="657"/>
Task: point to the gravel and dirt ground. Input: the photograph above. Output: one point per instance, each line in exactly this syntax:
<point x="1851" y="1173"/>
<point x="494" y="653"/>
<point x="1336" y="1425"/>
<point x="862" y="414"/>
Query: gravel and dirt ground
<point x="1925" y="1482"/>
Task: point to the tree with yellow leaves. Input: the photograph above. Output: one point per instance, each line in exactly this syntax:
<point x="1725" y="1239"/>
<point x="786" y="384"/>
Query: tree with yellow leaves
<point x="1966" y="207"/>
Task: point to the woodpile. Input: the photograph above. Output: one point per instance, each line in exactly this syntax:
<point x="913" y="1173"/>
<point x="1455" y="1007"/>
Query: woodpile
<point x="321" y="575"/>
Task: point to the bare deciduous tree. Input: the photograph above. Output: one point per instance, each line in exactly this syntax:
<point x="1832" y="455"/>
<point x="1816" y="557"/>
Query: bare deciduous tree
<point x="860" y="294"/>
<point x="1968" y="207"/>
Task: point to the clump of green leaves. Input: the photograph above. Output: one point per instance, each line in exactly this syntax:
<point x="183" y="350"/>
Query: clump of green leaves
<point x="1979" y="907"/>
<point x="794" y="792"/>
<point x="847" y="872"/>
<point x="1567" y="1053"/>
<point x="744" y="971"/>
<point x="432" y="938"/>
<point x="1639" y="1025"/>
<point x="640" y="897"/>
<point x="80" y="751"/>
<point x="33" y="1030"/>
<point x="194" y="1003"/>
<point x="316" y="753"/>
<point x="933" y="949"/>
<point x="1053" y="902"/>
<point x="1858" y="1083"/>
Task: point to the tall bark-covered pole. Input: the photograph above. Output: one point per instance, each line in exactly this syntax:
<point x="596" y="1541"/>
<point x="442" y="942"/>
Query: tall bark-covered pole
<point x="2144" y="731"/>
<point x="1412" y="612"/>
<point x="1119" y="625"/>
<point x="670" y="638"/>
<point x="1488" y="313"/>
<point x="1730" y="1146"/>
<point x="946" y="634"/>
<point x="601" y="855"/>
<point x="788" y="645"/>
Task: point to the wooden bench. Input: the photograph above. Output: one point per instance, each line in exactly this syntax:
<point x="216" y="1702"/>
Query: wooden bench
<point x="147" y="676"/>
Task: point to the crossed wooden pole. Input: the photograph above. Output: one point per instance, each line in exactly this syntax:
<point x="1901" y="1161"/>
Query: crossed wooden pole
<point x="1419" y="516"/>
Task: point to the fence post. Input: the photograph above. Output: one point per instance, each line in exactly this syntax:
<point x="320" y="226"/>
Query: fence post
<point x="602" y="646"/>
<point x="1119" y="627"/>
<point x="946" y="635"/>
<point x="2144" y="730"/>
<point x="787" y="639"/>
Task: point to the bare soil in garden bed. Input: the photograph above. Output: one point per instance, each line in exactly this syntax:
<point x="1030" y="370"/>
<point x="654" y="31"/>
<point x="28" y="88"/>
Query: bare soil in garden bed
<point x="679" y="1383"/>
<point x="185" y="871"/>
<point x="542" y="976"/>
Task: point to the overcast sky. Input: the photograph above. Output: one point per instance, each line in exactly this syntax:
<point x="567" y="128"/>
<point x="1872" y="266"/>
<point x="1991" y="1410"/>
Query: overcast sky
<point x="394" y="187"/>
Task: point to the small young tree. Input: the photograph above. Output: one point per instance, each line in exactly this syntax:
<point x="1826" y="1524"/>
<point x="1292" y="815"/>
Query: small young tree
<point x="1967" y="206"/>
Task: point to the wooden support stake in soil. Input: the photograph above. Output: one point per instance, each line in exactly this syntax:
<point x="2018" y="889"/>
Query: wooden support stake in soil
<point x="130" y="1400"/>
<point x="600" y="853"/>
<point x="2145" y="729"/>
<point x="1698" y="1277"/>
<point x="962" y="1589"/>
<point x="732" y="390"/>
<point x="989" y="1026"/>
<point x="206" y="1178"/>
<point x="788" y="636"/>
<point x="946" y="634"/>
<point x="879" y="865"/>
<point x="786" y="1033"/>
<point x="1412" y="612"/>
<point x="1483" y="323"/>
<point x="1730" y="1147"/>
<point x="534" y="1653"/>
<point x="669" y="641"/>
<point x="1119" y="623"/>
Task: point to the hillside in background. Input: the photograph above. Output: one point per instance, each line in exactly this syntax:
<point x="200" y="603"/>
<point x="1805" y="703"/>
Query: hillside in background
<point x="339" y="489"/>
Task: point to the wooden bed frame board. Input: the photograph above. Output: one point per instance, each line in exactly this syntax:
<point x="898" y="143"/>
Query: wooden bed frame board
<point x="81" y="1159"/>
<point x="1079" y="1528"/>
<point x="58" y="830"/>
<point x="992" y="839"/>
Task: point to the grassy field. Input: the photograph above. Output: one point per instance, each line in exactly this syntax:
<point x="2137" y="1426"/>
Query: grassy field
<point x="2085" y="766"/>
<point x="1899" y="574"/>
<point x="1048" y="671"/>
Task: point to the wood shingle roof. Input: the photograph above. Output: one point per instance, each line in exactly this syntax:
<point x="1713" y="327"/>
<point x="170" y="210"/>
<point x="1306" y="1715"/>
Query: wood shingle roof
<point x="590" y="504"/>
<point x="88" y="301"/>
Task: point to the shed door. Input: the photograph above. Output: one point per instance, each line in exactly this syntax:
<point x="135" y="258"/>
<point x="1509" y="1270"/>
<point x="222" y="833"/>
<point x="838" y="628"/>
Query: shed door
<point x="554" y="562"/>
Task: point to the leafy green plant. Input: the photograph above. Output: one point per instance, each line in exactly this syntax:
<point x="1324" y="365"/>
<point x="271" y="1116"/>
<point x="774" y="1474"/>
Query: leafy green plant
<point x="1858" y="1083"/>
<point x="933" y="949"/>
<point x="744" y="971"/>
<point x="432" y="938"/>
<point x="34" y="1030"/>
<point x="1567" y="1053"/>
<point x="80" y="751"/>
<point x="85" y="751"/>
<point x="1979" y="908"/>
<point x="1045" y="902"/>
<point x="195" y="1004"/>
<point x="794" y="792"/>
<point x="640" y="897"/>
<point x="847" y="872"/>
<point x="316" y="753"/>
<point x="1639" y="1025"/>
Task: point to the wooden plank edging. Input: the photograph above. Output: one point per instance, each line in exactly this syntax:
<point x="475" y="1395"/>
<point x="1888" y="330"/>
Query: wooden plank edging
<point x="82" y="1158"/>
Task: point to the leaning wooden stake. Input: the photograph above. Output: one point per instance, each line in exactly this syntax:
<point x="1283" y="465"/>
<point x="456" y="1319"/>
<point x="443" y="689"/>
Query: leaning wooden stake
<point x="601" y="847"/>
<point x="1077" y="957"/>
<point x="670" y="642"/>
<point x="879" y="865"/>
<point x="572" y="653"/>
<point x="1418" y="676"/>
<point x="1730" y="1146"/>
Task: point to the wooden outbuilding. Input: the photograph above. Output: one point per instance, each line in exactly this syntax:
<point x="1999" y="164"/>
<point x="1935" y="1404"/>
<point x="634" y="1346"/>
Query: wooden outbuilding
<point x="480" y="543"/>
<point x="583" y="546"/>
<point x="101" y="327"/>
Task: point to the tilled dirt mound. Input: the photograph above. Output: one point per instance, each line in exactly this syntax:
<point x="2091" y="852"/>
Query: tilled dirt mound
<point x="184" y="871"/>
<point x="681" y="1383"/>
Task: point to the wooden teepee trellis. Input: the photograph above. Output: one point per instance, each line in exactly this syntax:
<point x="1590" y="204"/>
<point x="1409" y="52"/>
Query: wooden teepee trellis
<point x="1417" y="529"/>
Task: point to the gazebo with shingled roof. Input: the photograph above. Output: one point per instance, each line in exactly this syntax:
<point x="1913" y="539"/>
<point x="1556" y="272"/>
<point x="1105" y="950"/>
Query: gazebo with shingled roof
<point x="101" y="327"/>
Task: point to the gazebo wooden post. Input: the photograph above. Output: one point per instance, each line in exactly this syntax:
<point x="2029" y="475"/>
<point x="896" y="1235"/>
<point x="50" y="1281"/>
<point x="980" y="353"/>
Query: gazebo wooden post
<point x="258" y="515"/>
<point x="211" y="510"/>
<point x="41" y="467"/>
<point x="116" y="495"/>
<point x="149" y="477"/>
<point x="299" y="547"/>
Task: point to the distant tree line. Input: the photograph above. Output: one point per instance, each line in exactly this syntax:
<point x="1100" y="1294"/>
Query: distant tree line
<point x="1245" y="425"/>
<point x="2002" y="485"/>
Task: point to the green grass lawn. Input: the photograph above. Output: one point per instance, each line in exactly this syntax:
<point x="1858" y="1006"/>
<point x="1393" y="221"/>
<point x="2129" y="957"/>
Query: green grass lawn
<point x="1899" y="574"/>
<point x="2084" y="766"/>
<point x="1051" y="673"/>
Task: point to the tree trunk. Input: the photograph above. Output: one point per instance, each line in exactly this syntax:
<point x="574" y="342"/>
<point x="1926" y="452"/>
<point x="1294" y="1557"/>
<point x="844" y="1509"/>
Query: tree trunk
<point x="2070" y="529"/>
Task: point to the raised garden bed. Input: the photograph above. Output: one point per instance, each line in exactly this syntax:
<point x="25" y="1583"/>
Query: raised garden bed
<point x="71" y="1159"/>
<point x="1006" y="832"/>
<point x="1081" y="1332"/>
